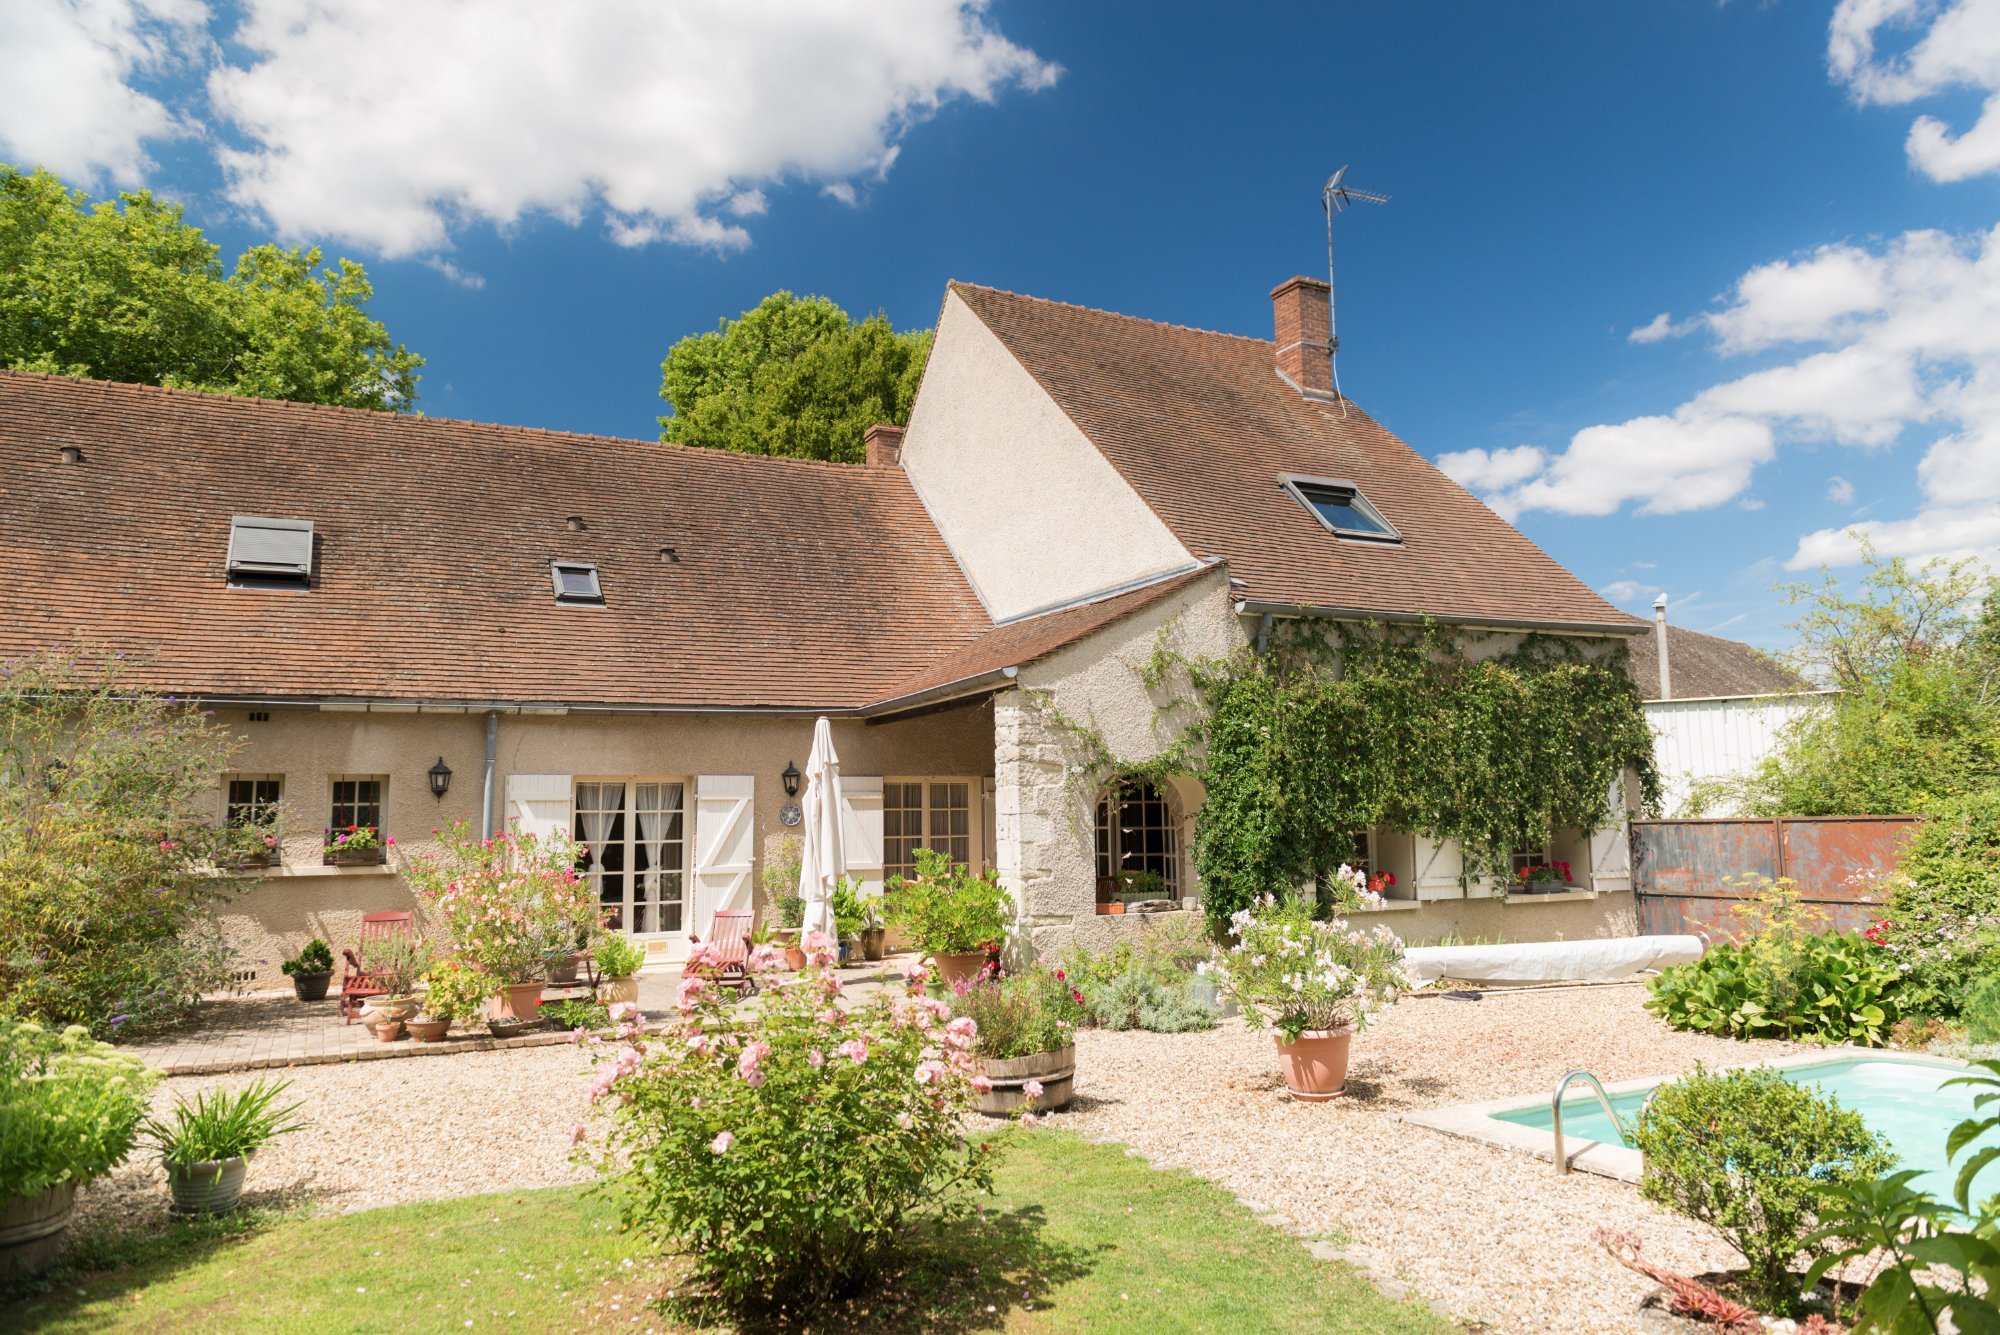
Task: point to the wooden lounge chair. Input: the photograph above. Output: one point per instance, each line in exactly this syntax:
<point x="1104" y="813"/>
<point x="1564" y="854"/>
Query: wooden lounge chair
<point x="729" y="936"/>
<point x="357" y="984"/>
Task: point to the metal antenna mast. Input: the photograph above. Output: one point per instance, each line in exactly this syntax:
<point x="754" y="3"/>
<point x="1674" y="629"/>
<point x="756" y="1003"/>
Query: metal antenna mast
<point x="1338" y="198"/>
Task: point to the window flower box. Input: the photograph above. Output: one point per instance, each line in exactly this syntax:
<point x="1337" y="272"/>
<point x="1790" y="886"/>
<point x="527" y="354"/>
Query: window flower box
<point x="357" y="846"/>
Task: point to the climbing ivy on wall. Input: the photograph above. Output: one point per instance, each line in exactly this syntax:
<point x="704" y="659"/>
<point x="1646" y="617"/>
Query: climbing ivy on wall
<point x="1338" y="726"/>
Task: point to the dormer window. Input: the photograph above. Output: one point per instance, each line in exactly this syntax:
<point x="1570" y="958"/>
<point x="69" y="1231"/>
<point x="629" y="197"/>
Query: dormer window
<point x="1341" y="507"/>
<point x="270" y="553"/>
<point x="575" y="582"/>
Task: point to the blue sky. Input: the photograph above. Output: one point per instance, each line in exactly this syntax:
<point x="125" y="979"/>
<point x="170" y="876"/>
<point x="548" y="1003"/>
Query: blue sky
<point x="1562" y="174"/>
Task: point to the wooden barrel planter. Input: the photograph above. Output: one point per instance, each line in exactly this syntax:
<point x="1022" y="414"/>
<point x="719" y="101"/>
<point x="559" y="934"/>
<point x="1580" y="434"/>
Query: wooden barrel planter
<point x="31" y="1229"/>
<point x="1055" y="1069"/>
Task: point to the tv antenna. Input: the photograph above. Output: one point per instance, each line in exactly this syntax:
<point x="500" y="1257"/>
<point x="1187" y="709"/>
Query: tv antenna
<point x="1337" y="197"/>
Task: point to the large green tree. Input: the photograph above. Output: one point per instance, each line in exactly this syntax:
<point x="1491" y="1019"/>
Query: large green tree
<point x="794" y="376"/>
<point x="130" y="290"/>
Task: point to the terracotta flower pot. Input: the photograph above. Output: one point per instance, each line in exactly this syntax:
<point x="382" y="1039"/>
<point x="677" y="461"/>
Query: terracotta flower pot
<point x="562" y="971"/>
<point x="795" y="958"/>
<point x="618" y="990"/>
<point x="1112" y="909"/>
<point x="1056" y="1069"/>
<point x="428" y="1031"/>
<point x="1315" y="1067"/>
<point x="211" y="1187"/>
<point x="386" y="1031"/>
<point x="31" y="1229"/>
<point x="955" y="965"/>
<point x="518" y="1001"/>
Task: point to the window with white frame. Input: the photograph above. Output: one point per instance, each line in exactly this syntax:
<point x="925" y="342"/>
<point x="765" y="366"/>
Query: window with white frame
<point x="357" y="805"/>
<point x="925" y="813"/>
<point x="634" y="832"/>
<point x="1136" y="835"/>
<point x="252" y="799"/>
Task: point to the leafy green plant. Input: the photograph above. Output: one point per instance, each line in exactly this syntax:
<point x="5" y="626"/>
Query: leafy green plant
<point x="576" y="1013"/>
<point x="1943" y="915"/>
<point x="946" y="908"/>
<point x="316" y="956"/>
<point x="456" y="990"/>
<point x="70" y="1107"/>
<point x="1981" y="1012"/>
<point x="1137" y="1000"/>
<point x="617" y="955"/>
<point x="396" y="961"/>
<point x="1300" y="974"/>
<point x="1749" y="1153"/>
<point x="783" y="1157"/>
<point x="216" y="1124"/>
<point x="850" y="913"/>
<point x="1136" y="885"/>
<point x="791" y="911"/>
<point x="1032" y="1010"/>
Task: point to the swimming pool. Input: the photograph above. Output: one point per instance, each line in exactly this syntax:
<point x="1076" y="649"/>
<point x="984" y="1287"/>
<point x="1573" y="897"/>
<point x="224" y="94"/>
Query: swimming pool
<point x="1899" y="1098"/>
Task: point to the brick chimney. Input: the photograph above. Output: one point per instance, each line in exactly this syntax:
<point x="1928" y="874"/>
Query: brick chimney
<point x="1304" y="322"/>
<point x="884" y="444"/>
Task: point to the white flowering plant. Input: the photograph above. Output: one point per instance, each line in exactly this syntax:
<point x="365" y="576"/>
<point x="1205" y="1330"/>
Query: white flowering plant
<point x="1300" y="974"/>
<point x="783" y="1153"/>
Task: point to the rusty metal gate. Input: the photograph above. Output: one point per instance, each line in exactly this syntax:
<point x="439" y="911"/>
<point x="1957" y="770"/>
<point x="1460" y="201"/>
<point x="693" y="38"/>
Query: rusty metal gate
<point x="1838" y="863"/>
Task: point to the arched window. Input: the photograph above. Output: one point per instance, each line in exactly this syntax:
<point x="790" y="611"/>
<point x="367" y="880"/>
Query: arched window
<point x="1136" y="835"/>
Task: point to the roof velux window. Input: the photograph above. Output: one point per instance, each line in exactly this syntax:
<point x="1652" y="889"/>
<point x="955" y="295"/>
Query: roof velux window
<point x="270" y="553"/>
<point x="1341" y="507"/>
<point x="575" y="582"/>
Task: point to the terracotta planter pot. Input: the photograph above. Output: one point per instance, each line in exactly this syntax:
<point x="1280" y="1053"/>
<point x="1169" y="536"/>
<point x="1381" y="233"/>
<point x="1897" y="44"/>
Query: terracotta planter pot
<point x="518" y="1001"/>
<point x="795" y="958"/>
<point x="388" y="1008"/>
<point x="386" y="1031"/>
<point x="428" y="1031"/>
<point x="618" y="990"/>
<point x="1315" y="1067"/>
<point x="1056" y="1070"/>
<point x="31" y="1229"/>
<point x="311" y="986"/>
<point x="562" y="972"/>
<point x="874" y="943"/>
<point x="954" y="965"/>
<point x="211" y="1187"/>
<point x="1112" y="909"/>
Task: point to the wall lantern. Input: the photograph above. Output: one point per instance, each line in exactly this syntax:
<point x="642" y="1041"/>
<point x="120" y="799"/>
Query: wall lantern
<point x="440" y="779"/>
<point x="791" y="778"/>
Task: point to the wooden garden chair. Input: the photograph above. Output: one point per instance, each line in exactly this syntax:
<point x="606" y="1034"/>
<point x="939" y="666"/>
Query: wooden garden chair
<point x="729" y="937"/>
<point x="358" y="984"/>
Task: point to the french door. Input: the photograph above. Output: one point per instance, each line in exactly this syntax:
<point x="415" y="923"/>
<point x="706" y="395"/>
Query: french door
<point x="635" y="831"/>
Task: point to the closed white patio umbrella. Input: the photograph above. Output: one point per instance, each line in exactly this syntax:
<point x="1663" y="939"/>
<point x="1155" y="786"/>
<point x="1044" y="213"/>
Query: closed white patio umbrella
<point x="824" y="859"/>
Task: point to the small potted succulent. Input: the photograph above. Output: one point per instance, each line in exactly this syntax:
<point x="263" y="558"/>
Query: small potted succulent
<point x="206" y="1144"/>
<point x="618" y="958"/>
<point x="310" y="970"/>
<point x="357" y="846"/>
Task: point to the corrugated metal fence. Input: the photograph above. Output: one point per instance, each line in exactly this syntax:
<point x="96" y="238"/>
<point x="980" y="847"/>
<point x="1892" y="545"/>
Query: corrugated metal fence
<point x="1838" y="863"/>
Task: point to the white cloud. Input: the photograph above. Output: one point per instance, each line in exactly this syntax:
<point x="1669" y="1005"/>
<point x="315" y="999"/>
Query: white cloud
<point x="1658" y="328"/>
<point x="66" y="73"/>
<point x="1622" y="591"/>
<point x="1839" y="490"/>
<point x="1492" y="470"/>
<point x="1957" y="47"/>
<point x="1750" y="503"/>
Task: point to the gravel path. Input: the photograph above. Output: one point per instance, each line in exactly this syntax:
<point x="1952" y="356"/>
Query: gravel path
<point x="1491" y="1236"/>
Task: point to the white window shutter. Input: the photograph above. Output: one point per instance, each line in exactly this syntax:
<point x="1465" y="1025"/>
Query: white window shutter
<point x="1610" y="847"/>
<point x="724" y="845"/>
<point x="861" y="830"/>
<point x="540" y="803"/>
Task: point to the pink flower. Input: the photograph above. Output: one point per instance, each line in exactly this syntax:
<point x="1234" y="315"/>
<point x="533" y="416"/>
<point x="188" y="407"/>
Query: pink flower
<point x="748" y="1064"/>
<point x="1033" y="1089"/>
<point x="982" y="1084"/>
<point x="391" y="841"/>
<point x="1029" y="1119"/>
<point x="905" y="1121"/>
<point x="854" y="1048"/>
<point x="963" y="1027"/>
<point x="815" y="1059"/>
<point x="577" y="1133"/>
<point x="722" y="1142"/>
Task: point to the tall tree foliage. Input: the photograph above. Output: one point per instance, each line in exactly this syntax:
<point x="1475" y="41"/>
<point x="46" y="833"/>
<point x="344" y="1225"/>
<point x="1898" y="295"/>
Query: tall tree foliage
<point x="794" y="376"/>
<point x="129" y="290"/>
<point x="1915" y="656"/>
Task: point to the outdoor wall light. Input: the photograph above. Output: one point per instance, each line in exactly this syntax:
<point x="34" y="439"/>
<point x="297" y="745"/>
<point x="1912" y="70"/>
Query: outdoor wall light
<point x="791" y="778"/>
<point x="440" y="779"/>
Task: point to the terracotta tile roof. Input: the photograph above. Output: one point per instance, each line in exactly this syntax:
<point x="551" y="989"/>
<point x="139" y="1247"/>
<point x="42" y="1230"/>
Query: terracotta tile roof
<point x="798" y="584"/>
<point x="1708" y="666"/>
<point x="1019" y="643"/>
<point x="1199" y="424"/>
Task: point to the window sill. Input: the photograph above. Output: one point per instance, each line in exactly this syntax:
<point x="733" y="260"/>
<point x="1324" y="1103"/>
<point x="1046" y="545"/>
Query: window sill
<point x="369" y="869"/>
<point x="1575" y="895"/>
<point x="1391" y="906"/>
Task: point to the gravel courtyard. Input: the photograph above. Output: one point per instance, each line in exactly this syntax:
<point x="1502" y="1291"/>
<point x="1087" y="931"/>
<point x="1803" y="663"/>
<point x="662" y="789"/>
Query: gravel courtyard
<point x="1491" y="1236"/>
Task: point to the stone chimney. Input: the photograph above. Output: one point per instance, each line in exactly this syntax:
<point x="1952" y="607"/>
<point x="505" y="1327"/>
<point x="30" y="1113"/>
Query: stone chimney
<point x="884" y="444"/>
<point x="1304" y="322"/>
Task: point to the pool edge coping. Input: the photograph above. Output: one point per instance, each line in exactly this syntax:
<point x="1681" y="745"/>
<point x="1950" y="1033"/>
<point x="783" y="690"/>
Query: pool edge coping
<point x="1477" y="1121"/>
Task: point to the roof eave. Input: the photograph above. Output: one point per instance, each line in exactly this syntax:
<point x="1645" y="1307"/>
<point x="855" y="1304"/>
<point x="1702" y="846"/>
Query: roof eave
<point x="1261" y="607"/>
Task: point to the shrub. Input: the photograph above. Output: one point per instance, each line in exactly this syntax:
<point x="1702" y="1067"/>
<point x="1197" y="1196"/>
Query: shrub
<point x="947" y="909"/>
<point x="1033" y="1010"/>
<point x="1748" y="1153"/>
<point x="510" y="902"/>
<point x="1301" y="975"/>
<point x="221" y="1125"/>
<point x="850" y="913"/>
<point x="783" y="1159"/>
<point x="1136" y="1000"/>
<point x="109" y="853"/>
<point x="316" y="956"/>
<point x="617" y="956"/>
<point x="576" y="1013"/>
<point x="1982" y="1010"/>
<point x="456" y="990"/>
<point x="70" y="1107"/>
<point x="1941" y="919"/>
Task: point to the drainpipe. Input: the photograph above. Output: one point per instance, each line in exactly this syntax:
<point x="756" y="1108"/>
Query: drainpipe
<point x="487" y="795"/>
<point x="1263" y="632"/>
<point x="1660" y="638"/>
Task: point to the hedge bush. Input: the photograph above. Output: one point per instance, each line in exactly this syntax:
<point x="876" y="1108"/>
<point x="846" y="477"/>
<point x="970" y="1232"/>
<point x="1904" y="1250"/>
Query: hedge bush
<point x="1943" y="917"/>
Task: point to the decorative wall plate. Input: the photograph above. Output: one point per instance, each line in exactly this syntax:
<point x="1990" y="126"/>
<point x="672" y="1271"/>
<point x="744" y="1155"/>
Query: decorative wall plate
<point x="790" y="814"/>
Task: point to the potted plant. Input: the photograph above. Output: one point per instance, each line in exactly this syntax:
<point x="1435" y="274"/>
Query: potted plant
<point x="618" y="958"/>
<point x="1312" y="981"/>
<point x="396" y="962"/>
<point x="310" y="970"/>
<point x="874" y="932"/>
<point x="1543" y="878"/>
<point x="576" y="1013"/>
<point x="1136" y="887"/>
<point x="791" y="921"/>
<point x="206" y="1145"/>
<point x="453" y="991"/>
<point x="953" y="915"/>
<point x="781" y="883"/>
<point x="71" y="1109"/>
<point x="848" y="918"/>
<point x="357" y="846"/>
<point x="1025" y="1038"/>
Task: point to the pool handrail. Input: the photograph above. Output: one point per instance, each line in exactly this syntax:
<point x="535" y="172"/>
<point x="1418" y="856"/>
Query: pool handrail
<point x="1556" y="1112"/>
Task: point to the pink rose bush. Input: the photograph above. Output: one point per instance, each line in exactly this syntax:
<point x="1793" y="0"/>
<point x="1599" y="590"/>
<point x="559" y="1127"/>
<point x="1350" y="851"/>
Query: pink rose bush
<point x="782" y="1149"/>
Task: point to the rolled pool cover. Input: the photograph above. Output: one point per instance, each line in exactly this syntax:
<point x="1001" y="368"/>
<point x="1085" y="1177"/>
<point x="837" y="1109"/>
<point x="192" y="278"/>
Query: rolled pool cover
<point x="1602" y="960"/>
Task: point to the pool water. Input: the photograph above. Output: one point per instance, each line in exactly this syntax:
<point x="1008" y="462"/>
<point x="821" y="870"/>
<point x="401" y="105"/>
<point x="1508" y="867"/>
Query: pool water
<point x="1899" y="1100"/>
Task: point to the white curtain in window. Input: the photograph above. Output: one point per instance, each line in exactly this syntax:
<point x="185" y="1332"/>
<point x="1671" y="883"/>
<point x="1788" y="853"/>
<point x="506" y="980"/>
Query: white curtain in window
<point x="596" y="825"/>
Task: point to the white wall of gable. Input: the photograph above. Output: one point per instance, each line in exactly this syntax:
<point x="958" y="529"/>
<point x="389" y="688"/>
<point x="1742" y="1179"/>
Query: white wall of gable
<point x="1035" y="514"/>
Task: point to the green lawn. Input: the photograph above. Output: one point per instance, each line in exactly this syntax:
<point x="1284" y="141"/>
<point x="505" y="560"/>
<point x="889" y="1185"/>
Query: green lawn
<point x="1078" y="1237"/>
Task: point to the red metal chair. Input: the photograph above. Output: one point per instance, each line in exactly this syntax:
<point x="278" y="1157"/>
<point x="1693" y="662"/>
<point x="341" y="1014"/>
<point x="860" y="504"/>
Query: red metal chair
<point x="729" y="938"/>
<point x="357" y="984"/>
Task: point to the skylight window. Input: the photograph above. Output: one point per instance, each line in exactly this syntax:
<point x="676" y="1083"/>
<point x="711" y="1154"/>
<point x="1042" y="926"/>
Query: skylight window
<point x="1341" y="507"/>
<point x="270" y="553"/>
<point x="576" y="582"/>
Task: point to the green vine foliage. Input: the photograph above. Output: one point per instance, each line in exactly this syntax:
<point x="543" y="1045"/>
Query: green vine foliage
<point x="1336" y="728"/>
